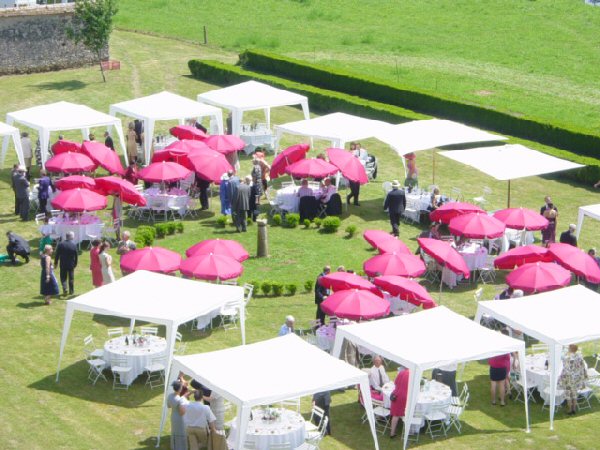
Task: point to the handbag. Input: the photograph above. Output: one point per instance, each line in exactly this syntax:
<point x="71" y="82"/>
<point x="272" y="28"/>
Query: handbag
<point x="393" y="397"/>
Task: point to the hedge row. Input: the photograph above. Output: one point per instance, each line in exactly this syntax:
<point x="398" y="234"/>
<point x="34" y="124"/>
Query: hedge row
<point x="321" y="100"/>
<point x="580" y="142"/>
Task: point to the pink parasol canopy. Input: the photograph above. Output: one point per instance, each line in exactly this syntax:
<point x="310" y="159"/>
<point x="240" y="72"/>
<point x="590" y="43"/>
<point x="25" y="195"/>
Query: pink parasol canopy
<point x="164" y="171"/>
<point x="225" y="143"/>
<point x="289" y="156"/>
<point x="120" y="188"/>
<point x="188" y="132"/>
<point x="311" y="168"/>
<point x="355" y="304"/>
<point x="392" y="246"/>
<point x="79" y="200"/>
<point x="450" y="210"/>
<point x="538" y="277"/>
<point x="376" y="237"/>
<point x="74" y="182"/>
<point x="522" y="255"/>
<point x="226" y="247"/>
<point x="349" y="165"/>
<point x="445" y="254"/>
<point x="211" y="267"/>
<point x="521" y="219"/>
<point x="103" y="156"/>
<point x="476" y="226"/>
<point x="153" y="259"/>
<point x="577" y="261"/>
<point x="338" y="281"/>
<point x="405" y="265"/>
<point x="70" y="162"/>
<point x="63" y="146"/>
<point x="209" y="165"/>
<point x="406" y="289"/>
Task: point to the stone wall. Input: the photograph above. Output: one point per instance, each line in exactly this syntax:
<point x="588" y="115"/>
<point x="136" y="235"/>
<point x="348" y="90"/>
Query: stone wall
<point x="35" y="40"/>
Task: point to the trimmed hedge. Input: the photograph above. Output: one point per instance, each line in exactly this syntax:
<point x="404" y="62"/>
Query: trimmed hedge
<point x="578" y="141"/>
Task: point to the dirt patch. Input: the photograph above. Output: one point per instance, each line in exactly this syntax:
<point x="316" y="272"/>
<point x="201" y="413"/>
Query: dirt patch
<point x="484" y="93"/>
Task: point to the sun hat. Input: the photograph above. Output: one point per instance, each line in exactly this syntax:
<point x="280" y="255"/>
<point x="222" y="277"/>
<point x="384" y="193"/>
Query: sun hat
<point x="395" y="184"/>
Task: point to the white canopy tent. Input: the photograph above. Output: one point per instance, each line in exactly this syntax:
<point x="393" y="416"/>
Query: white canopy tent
<point x="156" y="298"/>
<point x="267" y="372"/>
<point x="592" y="211"/>
<point x="557" y="318"/>
<point x="164" y="106"/>
<point x="509" y="162"/>
<point x="426" y="340"/>
<point x="338" y="128"/>
<point x="8" y="132"/>
<point x="62" y="116"/>
<point x="249" y="96"/>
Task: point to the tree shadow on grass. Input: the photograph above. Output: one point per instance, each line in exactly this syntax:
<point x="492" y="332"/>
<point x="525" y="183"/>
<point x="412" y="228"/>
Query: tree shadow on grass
<point x="68" y="85"/>
<point x="73" y="383"/>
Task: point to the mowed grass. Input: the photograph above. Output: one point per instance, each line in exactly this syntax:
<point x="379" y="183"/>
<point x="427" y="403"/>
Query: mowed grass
<point x="535" y="58"/>
<point x="39" y="413"/>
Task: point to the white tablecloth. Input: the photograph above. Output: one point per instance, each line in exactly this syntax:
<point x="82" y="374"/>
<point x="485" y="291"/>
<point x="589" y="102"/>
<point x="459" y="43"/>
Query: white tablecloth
<point x="260" y="136"/>
<point x="288" y="427"/>
<point x="287" y="198"/>
<point x="475" y="257"/>
<point x="205" y="321"/>
<point x="164" y="202"/>
<point x="164" y="141"/>
<point x="325" y="337"/>
<point x="85" y="227"/>
<point x="398" y="306"/>
<point x="137" y="357"/>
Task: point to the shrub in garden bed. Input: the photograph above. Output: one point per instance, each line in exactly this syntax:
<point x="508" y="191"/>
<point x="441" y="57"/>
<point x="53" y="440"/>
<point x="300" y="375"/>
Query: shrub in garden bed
<point x="331" y="224"/>
<point x="291" y="288"/>
<point x="265" y="287"/>
<point x="144" y="236"/>
<point x="308" y="285"/>
<point x="351" y="230"/>
<point x="292" y="220"/>
<point x="221" y="221"/>
<point x="277" y="288"/>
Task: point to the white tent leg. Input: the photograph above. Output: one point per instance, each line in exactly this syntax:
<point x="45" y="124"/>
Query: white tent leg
<point x="268" y="117"/>
<point x="163" y="417"/>
<point x="119" y="130"/>
<point x="242" y="423"/>
<point x="305" y="110"/>
<point x="148" y="137"/>
<point x="580" y="217"/>
<point x="131" y="326"/>
<point x="243" y="321"/>
<point x="414" y="386"/>
<point x="4" y="150"/>
<point x="236" y="122"/>
<point x="65" y="335"/>
<point x="365" y="389"/>
<point x="219" y="119"/>
<point x="554" y="355"/>
<point x="524" y="381"/>
<point x="44" y="136"/>
<point x="85" y="134"/>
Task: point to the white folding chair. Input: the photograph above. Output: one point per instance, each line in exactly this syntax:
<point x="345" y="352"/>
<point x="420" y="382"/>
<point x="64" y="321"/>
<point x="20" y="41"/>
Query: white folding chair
<point x="462" y="398"/>
<point x="415" y="426"/>
<point x="316" y="415"/>
<point x="149" y="331"/>
<point x="517" y="386"/>
<point x="180" y="346"/>
<point x="229" y="314"/>
<point x="115" y="332"/>
<point x="90" y="349"/>
<point x="382" y="416"/>
<point x="95" y="368"/>
<point x="292" y="403"/>
<point x="248" y="291"/>
<point x="453" y="412"/>
<point x="156" y="372"/>
<point x="119" y="369"/>
<point x="482" y="200"/>
<point x="546" y="396"/>
<point x="436" y="421"/>
<point x="583" y="398"/>
<point x="487" y="273"/>
<point x="314" y="440"/>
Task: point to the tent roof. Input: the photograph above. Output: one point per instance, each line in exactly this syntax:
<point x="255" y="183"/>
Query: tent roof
<point x="591" y="210"/>
<point x="251" y="95"/>
<point x="156" y="298"/>
<point x="7" y="130"/>
<point x="335" y="127"/>
<point x="564" y="316"/>
<point x="429" y="338"/>
<point x="268" y="371"/>
<point x="426" y="134"/>
<point x="508" y="162"/>
<point x="163" y="106"/>
<point x="62" y="116"/>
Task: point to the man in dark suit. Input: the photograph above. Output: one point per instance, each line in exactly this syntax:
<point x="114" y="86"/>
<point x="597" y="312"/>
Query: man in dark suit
<point x="568" y="237"/>
<point x="14" y="174"/>
<point x="22" y="192"/>
<point x="234" y="183"/>
<point x="66" y="258"/>
<point x="323" y="401"/>
<point x="241" y="204"/>
<point x="321" y="294"/>
<point x="17" y="246"/>
<point x="395" y="202"/>
<point x="108" y="141"/>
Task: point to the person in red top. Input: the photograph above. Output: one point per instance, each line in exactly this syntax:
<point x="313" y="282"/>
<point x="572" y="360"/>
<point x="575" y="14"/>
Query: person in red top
<point x="131" y="174"/>
<point x="398" y="399"/>
<point x="95" y="265"/>
<point x="499" y="371"/>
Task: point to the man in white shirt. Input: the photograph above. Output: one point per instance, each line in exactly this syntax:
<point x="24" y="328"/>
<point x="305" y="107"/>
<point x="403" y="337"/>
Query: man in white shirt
<point x="288" y="326"/>
<point x="361" y="153"/>
<point x="198" y="419"/>
<point x="377" y="375"/>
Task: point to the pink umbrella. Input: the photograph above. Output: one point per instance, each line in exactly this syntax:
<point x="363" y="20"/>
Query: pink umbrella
<point x="538" y="277"/>
<point x="450" y="210"/>
<point x="74" y="182"/>
<point x="339" y="281"/>
<point x="476" y="226"/>
<point x="226" y="247"/>
<point x="355" y="304"/>
<point x="393" y="246"/>
<point x="70" y="162"/>
<point x="577" y="261"/>
<point x="521" y="219"/>
<point x="188" y="132"/>
<point x="209" y="165"/>
<point x="402" y="264"/>
<point x="289" y="156"/>
<point x="225" y="143"/>
<point x="103" y="156"/>
<point x="120" y="188"/>
<point x="311" y="168"/>
<point x="522" y="255"/>
<point x="376" y="237"/>
<point x="63" y="146"/>
<point x="445" y="254"/>
<point x="349" y="165"/>
<point x="211" y="267"/>
<point x="79" y="200"/>
<point x="406" y="289"/>
<point x="153" y="259"/>
<point x="164" y="171"/>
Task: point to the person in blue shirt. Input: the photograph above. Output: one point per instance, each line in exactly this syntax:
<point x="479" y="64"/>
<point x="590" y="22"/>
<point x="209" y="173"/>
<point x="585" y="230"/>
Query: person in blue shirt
<point x="288" y="326"/>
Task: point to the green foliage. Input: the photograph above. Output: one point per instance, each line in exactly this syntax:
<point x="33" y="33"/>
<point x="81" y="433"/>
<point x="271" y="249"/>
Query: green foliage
<point x="144" y="236"/>
<point x="171" y="228"/>
<point x="161" y="230"/>
<point x="257" y="285"/>
<point x="277" y="220"/>
<point x="331" y="224"/>
<point x="179" y="227"/>
<point x="249" y="221"/>
<point x="265" y="287"/>
<point x="292" y="220"/>
<point x="221" y="221"/>
<point x="306" y="223"/>
<point x="308" y="285"/>
<point x="291" y="288"/>
<point x="351" y="230"/>
<point x="318" y="222"/>
<point x="94" y="23"/>
<point x="277" y="288"/>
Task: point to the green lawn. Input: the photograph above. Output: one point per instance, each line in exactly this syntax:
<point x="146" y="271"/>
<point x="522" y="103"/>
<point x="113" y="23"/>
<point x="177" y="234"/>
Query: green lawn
<point x="38" y="413"/>
<point x="538" y="58"/>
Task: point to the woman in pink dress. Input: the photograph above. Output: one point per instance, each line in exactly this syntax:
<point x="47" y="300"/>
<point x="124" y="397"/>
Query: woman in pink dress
<point x="95" y="265"/>
<point x="398" y="399"/>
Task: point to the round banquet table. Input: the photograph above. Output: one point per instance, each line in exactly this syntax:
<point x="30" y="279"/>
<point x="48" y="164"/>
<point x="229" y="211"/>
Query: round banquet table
<point x="84" y="226"/>
<point x="397" y="305"/>
<point x="161" y="201"/>
<point x="288" y="427"/>
<point x="539" y="377"/>
<point x="325" y="337"/>
<point x="475" y="257"/>
<point x="137" y="357"/>
<point x="287" y="199"/>
<point x="432" y="394"/>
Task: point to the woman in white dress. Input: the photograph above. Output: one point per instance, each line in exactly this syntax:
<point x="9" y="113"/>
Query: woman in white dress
<point x="106" y="263"/>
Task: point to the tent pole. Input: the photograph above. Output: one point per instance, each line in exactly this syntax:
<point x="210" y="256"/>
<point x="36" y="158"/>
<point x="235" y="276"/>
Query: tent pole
<point x="508" y="204"/>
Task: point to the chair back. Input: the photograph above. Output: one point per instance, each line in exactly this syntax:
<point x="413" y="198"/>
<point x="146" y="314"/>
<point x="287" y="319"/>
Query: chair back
<point x="308" y="208"/>
<point x="115" y="332"/>
<point x="178" y="336"/>
<point x="334" y="205"/>
<point x="149" y="331"/>
<point x="88" y="341"/>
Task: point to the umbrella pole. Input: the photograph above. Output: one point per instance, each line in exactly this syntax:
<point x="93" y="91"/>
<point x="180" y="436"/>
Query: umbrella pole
<point x="441" y="281"/>
<point x="508" y="204"/>
<point x="433" y="164"/>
